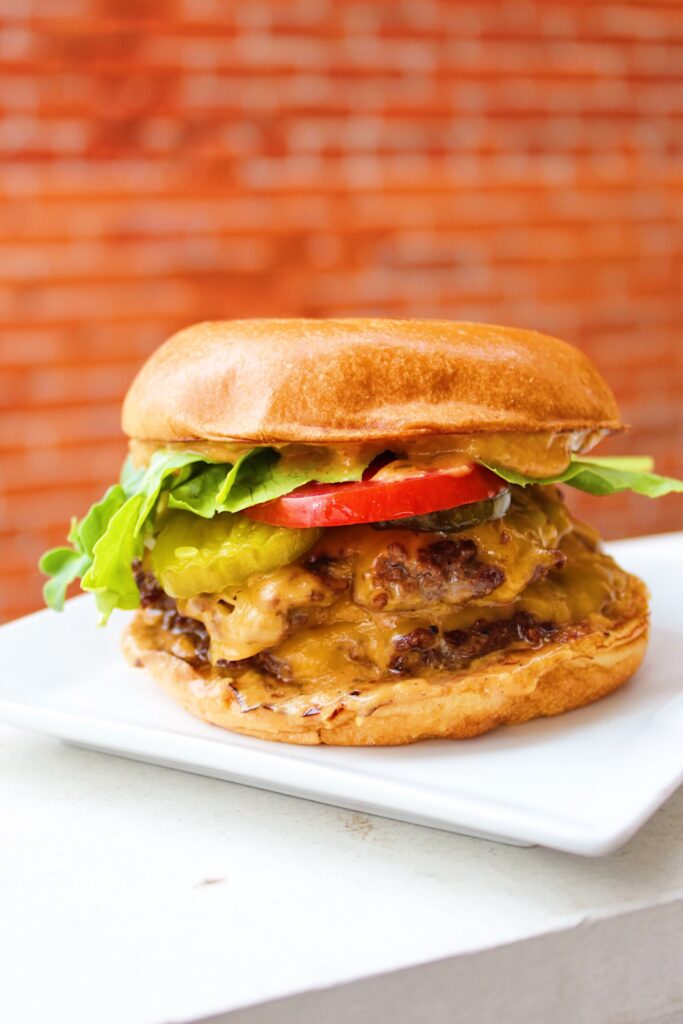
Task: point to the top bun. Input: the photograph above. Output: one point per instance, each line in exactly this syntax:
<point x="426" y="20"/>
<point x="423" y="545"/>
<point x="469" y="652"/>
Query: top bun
<point x="326" y="381"/>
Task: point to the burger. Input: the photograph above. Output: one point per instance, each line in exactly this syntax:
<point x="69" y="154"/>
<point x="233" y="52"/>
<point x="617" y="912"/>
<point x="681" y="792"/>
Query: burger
<point x="351" y="532"/>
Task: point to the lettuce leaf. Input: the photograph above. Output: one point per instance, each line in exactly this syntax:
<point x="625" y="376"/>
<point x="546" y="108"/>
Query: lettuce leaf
<point x="131" y="476"/>
<point x="206" y="492"/>
<point x="264" y="478"/>
<point x="110" y="575"/>
<point x="603" y="475"/>
<point x="112" y="534"/>
<point x="84" y="535"/>
<point x="104" y="543"/>
<point x="260" y="475"/>
<point x="63" y="565"/>
<point x="198" y="494"/>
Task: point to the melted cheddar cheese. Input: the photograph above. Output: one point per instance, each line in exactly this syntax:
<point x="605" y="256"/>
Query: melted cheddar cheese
<point x="326" y="631"/>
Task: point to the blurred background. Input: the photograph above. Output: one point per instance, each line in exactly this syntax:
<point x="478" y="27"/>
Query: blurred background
<point x="167" y="161"/>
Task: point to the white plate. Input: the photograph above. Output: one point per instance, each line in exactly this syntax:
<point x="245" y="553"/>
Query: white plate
<point x="583" y="782"/>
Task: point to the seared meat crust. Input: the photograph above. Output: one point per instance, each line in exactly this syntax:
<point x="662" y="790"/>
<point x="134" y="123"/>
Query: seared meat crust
<point x="457" y="648"/>
<point x="423" y="648"/>
<point x="447" y="571"/>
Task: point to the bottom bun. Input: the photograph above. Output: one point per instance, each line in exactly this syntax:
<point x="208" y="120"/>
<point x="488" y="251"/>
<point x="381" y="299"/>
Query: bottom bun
<point x="504" y="688"/>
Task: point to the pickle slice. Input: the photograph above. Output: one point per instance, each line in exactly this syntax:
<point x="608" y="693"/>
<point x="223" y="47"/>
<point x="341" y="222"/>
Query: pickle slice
<point x="451" y="520"/>
<point x="205" y="556"/>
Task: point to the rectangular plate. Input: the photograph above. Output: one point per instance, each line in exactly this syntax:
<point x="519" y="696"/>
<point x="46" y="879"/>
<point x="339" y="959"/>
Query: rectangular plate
<point x="583" y="782"/>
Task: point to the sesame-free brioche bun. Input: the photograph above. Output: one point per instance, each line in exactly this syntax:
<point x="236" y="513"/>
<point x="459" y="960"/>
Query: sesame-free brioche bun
<point x="327" y="381"/>
<point x="504" y="688"/>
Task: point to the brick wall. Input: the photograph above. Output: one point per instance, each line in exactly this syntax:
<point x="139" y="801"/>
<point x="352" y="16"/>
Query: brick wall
<point x="168" y="161"/>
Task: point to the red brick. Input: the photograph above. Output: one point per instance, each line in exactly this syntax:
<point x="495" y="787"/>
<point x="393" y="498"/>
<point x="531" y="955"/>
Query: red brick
<point x="52" y="428"/>
<point x="33" y="470"/>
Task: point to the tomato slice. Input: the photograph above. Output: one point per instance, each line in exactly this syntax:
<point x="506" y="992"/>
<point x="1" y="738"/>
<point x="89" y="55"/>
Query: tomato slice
<point x="377" y="499"/>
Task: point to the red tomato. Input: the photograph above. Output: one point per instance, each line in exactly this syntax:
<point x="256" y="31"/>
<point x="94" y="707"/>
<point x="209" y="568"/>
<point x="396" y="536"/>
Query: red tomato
<point x="375" y="500"/>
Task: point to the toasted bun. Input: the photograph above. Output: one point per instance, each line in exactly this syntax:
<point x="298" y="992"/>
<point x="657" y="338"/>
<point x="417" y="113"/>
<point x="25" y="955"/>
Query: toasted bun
<point x="502" y="689"/>
<point x="326" y="381"/>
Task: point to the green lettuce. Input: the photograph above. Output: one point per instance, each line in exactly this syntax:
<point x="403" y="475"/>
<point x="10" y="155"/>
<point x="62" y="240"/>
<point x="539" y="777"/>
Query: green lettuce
<point x="258" y="476"/>
<point x="603" y="475"/>
<point x="63" y="566"/>
<point x="112" y="535"/>
<point x="209" y="490"/>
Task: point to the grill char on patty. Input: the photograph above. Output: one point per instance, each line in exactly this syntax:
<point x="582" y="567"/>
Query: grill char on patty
<point x="423" y="648"/>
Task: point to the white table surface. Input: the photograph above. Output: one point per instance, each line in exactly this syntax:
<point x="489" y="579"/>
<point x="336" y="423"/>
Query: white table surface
<point x="134" y="894"/>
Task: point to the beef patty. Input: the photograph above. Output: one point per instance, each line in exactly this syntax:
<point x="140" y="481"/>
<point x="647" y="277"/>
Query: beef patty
<point x="417" y="652"/>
